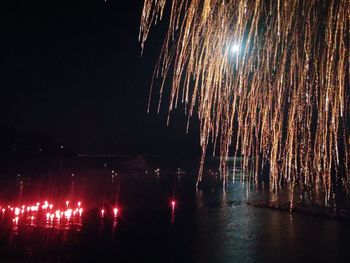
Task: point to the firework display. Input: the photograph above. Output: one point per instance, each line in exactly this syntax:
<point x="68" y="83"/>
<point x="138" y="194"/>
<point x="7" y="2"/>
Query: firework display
<point x="269" y="81"/>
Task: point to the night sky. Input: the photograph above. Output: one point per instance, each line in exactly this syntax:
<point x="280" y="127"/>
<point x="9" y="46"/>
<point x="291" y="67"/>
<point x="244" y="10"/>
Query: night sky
<point x="72" y="70"/>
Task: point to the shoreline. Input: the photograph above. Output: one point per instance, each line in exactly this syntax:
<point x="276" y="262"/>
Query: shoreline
<point x="312" y="209"/>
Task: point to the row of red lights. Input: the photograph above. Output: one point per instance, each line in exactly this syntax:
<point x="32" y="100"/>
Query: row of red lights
<point x="67" y="213"/>
<point x="32" y="210"/>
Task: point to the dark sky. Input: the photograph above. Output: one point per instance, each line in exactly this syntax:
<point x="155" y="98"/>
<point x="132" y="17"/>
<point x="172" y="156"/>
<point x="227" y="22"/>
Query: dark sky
<point x="72" y="70"/>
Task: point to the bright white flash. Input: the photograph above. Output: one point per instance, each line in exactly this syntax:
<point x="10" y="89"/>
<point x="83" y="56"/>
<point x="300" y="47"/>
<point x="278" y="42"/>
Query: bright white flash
<point x="235" y="48"/>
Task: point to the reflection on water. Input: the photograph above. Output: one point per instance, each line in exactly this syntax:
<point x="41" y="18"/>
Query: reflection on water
<point x="132" y="217"/>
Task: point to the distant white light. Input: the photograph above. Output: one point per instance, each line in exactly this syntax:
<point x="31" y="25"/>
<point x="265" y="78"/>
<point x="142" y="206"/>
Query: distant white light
<point x="235" y="48"/>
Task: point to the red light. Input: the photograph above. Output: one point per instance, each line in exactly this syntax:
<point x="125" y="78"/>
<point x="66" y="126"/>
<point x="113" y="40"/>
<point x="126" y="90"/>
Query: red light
<point x="67" y="203"/>
<point x="173" y="203"/>
<point x="17" y="211"/>
<point x="68" y="213"/>
<point x="79" y="203"/>
<point x="58" y="213"/>
<point x="102" y="212"/>
<point x="115" y="210"/>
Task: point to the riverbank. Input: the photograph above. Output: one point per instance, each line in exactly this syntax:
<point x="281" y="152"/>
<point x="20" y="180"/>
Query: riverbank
<point x="310" y="209"/>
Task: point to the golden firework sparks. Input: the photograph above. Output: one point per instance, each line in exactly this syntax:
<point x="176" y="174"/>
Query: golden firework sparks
<point x="268" y="79"/>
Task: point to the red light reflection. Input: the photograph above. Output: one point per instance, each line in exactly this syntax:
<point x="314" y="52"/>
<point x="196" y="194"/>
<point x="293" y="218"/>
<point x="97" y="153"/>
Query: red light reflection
<point x="115" y="211"/>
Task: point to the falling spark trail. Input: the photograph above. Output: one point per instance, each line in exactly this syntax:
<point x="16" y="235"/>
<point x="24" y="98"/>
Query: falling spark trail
<point x="268" y="80"/>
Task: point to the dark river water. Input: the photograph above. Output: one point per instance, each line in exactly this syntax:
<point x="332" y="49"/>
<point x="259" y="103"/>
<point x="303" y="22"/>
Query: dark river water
<point x="208" y="225"/>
